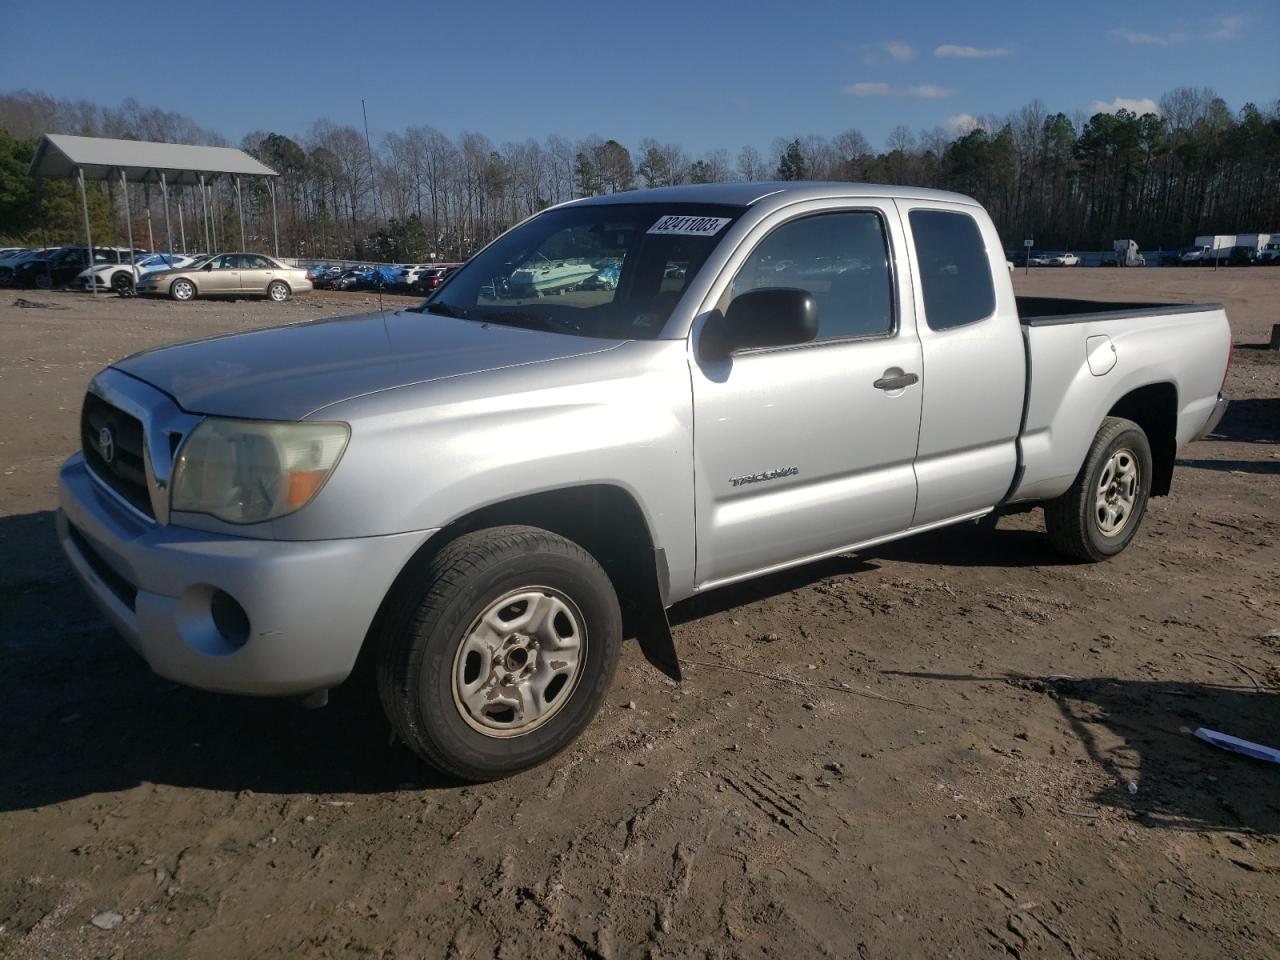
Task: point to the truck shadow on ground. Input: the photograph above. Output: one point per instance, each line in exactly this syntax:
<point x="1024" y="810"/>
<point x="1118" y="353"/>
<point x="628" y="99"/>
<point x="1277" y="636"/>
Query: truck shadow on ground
<point x="1183" y="783"/>
<point x="1264" y="467"/>
<point x="1253" y="420"/>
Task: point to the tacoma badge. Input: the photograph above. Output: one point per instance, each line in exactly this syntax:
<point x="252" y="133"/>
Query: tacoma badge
<point x="767" y="475"/>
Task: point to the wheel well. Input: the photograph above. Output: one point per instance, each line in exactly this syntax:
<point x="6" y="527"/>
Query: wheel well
<point x="603" y="519"/>
<point x="1155" y="409"/>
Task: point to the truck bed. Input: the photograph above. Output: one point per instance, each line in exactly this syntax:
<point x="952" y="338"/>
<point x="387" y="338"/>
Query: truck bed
<point x="1086" y="356"/>
<point x="1051" y="311"/>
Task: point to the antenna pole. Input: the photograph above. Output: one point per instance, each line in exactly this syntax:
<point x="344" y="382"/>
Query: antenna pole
<point x="373" y="180"/>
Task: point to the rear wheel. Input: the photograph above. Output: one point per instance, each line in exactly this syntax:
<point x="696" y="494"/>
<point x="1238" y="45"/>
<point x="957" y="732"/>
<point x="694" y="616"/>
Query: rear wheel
<point x="182" y="290"/>
<point x="278" y="291"/>
<point x="122" y="283"/>
<point x="1098" y="516"/>
<point x="499" y="651"/>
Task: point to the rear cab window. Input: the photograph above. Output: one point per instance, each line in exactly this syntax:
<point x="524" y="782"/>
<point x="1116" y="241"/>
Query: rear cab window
<point x="955" y="273"/>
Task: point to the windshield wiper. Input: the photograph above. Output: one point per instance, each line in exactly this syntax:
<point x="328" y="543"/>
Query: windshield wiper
<point x="444" y="310"/>
<point x="531" y="321"/>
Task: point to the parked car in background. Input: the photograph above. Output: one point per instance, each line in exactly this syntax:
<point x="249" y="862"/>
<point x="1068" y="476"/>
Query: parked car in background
<point x="1034" y="259"/>
<point x="474" y="498"/>
<point x="61" y="267"/>
<point x="347" y="280"/>
<point x="431" y="277"/>
<point x="323" y="276"/>
<point x="1061" y="259"/>
<point x="406" y="274"/>
<point x="10" y="263"/>
<point x="120" y="277"/>
<point x="1270" y="255"/>
<point x="228" y="275"/>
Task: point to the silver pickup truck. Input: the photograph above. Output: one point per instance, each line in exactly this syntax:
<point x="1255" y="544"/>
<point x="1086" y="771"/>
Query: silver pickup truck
<point x="620" y="403"/>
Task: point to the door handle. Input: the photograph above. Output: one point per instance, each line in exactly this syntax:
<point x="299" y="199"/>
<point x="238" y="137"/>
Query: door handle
<point x="896" y="383"/>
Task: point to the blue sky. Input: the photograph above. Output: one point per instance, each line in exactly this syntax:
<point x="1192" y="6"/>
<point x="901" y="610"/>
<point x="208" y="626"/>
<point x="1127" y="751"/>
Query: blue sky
<point x="703" y="73"/>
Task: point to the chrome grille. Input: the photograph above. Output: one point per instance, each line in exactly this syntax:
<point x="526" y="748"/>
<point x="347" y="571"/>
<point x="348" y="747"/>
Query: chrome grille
<point x="118" y="462"/>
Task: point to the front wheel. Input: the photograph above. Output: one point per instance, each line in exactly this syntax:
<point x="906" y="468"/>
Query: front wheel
<point x="182" y="290"/>
<point x="278" y="291"/>
<point x="1100" y="513"/>
<point x="498" y="651"/>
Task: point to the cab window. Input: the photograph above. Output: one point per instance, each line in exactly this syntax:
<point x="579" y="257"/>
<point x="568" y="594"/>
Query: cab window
<point x="955" y="274"/>
<point x="842" y="259"/>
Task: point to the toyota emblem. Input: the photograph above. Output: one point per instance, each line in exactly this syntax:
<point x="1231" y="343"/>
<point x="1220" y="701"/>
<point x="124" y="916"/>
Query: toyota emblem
<point x="107" y="444"/>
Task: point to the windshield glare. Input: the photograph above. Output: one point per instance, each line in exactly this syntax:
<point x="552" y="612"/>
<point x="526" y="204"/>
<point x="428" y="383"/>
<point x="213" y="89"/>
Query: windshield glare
<point x="608" y="270"/>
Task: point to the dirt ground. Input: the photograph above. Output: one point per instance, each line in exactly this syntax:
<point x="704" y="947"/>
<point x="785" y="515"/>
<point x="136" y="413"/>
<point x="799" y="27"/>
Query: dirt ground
<point x="953" y="746"/>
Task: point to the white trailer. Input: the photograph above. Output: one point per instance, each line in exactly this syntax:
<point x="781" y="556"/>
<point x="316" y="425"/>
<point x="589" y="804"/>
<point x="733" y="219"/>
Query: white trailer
<point x="1127" y="254"/>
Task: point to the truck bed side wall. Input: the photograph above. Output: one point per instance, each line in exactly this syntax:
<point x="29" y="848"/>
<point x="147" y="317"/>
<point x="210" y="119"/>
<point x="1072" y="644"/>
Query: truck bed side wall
<point x="1066" y="402"/>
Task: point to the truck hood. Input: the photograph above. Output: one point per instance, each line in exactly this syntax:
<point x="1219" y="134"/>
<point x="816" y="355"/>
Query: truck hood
<point x="286" y="373"/>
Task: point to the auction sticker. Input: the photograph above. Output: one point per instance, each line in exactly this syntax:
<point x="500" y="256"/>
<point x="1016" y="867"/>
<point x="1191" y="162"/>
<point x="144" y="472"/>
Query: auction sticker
<point x="677" y="226"/>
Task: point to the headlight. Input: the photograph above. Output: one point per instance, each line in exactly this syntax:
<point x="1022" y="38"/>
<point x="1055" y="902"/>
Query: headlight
<point x="247" y="471"/>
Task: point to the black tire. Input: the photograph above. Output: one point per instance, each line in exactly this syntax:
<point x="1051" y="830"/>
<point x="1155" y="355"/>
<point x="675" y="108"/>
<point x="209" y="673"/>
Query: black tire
<point x="437" y="605"/>
<point x="278" y="285"/>
<point x="122" y="284"/>
<point x="1074" y="520"/>
<point x="182" y="290"/>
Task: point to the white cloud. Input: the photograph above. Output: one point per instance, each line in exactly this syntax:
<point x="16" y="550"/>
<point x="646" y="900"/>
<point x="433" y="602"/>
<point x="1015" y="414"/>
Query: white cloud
<point x="875" y="89"/>
<point x="885" y="51"/>
<point x="969" y="53"/>
<point x="928" y="90"/>
<point x="1138" y="106"/>
<point x="1229" y="27"/>
<point x="962" y="123"/>
<point x="1140" y="39"/>
<point x="897" y="50"/>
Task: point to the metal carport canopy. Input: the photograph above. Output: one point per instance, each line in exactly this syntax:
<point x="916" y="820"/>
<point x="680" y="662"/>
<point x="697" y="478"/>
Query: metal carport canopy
<point x="147" y="162"/>
<point x="58" y="155"/>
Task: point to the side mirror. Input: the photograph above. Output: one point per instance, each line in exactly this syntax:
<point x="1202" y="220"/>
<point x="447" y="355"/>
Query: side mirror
<point x="770" y="317"/>
<point x="208" y="266"/>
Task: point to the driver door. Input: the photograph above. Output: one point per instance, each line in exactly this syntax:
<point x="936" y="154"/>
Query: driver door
<point x="803" y="450"/>
<point x="222" y="275"/>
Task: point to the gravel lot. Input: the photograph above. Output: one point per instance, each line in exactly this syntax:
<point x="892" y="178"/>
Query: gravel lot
<point x="956" y="745"/>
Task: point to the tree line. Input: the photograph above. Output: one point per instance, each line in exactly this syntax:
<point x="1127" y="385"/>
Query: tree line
<point x="1068" y="181"/>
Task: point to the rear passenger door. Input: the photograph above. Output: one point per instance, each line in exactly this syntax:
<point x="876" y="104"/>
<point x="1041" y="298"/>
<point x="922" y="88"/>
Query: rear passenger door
<point x="802" y="450"/>
<point x="975" y="366"/>
<point x="256" y="271"/>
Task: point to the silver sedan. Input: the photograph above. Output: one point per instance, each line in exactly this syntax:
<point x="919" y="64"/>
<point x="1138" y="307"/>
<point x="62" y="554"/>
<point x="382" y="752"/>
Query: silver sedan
<point x="228" y="275"/>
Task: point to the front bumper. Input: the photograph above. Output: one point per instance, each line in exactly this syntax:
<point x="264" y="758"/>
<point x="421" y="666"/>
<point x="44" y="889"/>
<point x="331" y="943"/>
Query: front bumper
<point x="308" y="604"/>
<point x="1219" y="408"/>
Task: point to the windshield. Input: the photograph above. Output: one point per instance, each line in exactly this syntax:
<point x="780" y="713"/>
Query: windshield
<point x="607" y="270"/>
